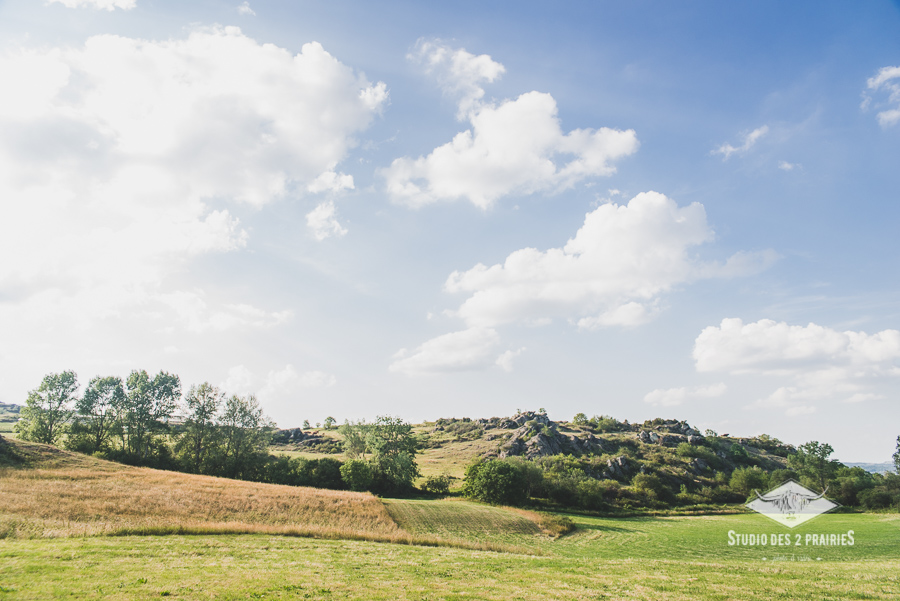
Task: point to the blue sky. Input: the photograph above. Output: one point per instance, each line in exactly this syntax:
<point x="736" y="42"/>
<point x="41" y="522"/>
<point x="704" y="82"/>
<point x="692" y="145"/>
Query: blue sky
<point x="636" y="209"/>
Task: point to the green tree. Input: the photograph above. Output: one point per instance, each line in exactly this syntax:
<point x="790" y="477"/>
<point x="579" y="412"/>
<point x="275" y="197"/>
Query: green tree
<point x="580" y="419"/>
<point x="149" y="403"/>
<point x="47" y="410"/>
<point x="329" y="422"/>
<point x="198" y="445"/>
<point x="246" y="433"/>
<point x="97" y="415"/>
<point x="897" y="457"/>
<point x="355" y="434"/>
<point x="747" y="479"/>
<point x="812" y="461"/>
<point x="393" y="447"/>
<point x="357" y="474"/>
<point x="495" y="481"/>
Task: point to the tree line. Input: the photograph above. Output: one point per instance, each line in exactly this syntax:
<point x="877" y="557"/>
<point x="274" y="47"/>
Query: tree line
<point x="144" y="421"/>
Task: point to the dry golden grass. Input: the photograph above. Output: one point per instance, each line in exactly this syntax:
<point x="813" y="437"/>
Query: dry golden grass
<point x="65" y="494"/>
<point x="57" y="493"/>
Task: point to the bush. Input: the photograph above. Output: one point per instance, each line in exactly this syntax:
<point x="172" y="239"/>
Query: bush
<point x="437" y="485"/>
<point x="876" y="498"/>
<point x="745" y="480"/>
<point x="496" y="482"/>
<point x="356" y="474"/>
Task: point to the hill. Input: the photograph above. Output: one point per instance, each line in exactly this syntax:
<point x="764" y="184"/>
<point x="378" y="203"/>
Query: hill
<point x="51" y="492"/>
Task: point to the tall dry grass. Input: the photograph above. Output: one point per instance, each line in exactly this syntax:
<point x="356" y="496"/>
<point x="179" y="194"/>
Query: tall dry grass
<point x="56" y="493"/>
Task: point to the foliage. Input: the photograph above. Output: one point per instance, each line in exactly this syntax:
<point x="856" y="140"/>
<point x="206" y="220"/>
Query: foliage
<point x="245" y="435"/>
<point x="495" y="481"/>
<point x="47" y="410"/>
<point x="812" y="462"/>
<point x="437" y="485"/>
<point x="896" y="457"/>
<point x="148" y="405"/>
<point x="357" y="474"/>
<point x="393" y="446"/>
<point x="329" y="422"/>
<point x="97" y="415"/>
<point x="198" y="447"/>
<point x="747" y="479"/>
<point x="355" y="434"/>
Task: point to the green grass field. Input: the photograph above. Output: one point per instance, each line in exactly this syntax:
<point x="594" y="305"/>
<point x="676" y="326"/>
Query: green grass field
<point x="635" y="558"/>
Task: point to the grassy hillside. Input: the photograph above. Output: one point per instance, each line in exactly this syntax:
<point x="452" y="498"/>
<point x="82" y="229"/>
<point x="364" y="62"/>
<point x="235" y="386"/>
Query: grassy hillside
<point x="48" y="492"/>
<point x="60" y="493"/>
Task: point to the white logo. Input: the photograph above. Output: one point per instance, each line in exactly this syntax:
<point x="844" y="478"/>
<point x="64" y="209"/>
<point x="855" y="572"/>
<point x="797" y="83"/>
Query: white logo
<point x="791" y="504"/>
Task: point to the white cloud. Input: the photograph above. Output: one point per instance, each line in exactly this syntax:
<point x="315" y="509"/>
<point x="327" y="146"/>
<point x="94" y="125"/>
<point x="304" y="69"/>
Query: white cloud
<point x="98" y="4"/>
<point x="505" y="360"/>
<point x="193" y="312"/>
<point x="279" y="385"/>
<point x="513" y="147"/>
<point x="785" y="166"/>
<point x="458" y="351"/>
<point x="672" y="397"/>
<point x="887" y="79"/>
<point x="817" y="362"/>
<point x="115" y="155"/>
<point x="459" y="73"/>
<point x="613" y="272"/>
<point x="767" y="346"/>
<point x="244" y="9"/>
<point x="726" y="150"/>
<point x="323" y="223"/>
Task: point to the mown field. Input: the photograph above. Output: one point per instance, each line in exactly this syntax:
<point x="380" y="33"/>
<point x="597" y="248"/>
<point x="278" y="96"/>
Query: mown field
<point x="655" y="558"/>
<point x="70" y="522"/>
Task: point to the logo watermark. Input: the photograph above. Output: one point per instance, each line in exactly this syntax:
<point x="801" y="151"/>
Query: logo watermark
<point x="791" y="504"/>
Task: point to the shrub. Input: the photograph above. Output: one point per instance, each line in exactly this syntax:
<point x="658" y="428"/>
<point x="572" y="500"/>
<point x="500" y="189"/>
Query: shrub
<point x="437" y="485"/>
<point x="497" y="482"/>
<point x="356" y="474"/>
<point x="745" y="480"/>
<point x="876" y="498"/>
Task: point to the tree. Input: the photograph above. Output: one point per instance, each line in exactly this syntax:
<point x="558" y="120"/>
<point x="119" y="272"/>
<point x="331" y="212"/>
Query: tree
<point x="48" y="408"/>
<point x="245" y="432"/>
<point x="495" y="481"/>
<point x="329" y="422"/>
<point x="580" y="419"/>
<point x="357" y="474"/>
<point x="811" y="460"/>
<point x="897" y="457"/>
<point x="747" y="479"/>
<point x="97" y="414"/>
<point x="354" y="434"/>
<point x="393" y="447"/>
<point x="198" y="444"/>
<point x="148" y="403"/>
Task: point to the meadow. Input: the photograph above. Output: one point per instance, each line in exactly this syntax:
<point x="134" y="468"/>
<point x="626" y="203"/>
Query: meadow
<point x="73" y="526"/>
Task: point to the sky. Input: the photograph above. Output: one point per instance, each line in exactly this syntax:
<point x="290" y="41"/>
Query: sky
<point x="351" y="209"/>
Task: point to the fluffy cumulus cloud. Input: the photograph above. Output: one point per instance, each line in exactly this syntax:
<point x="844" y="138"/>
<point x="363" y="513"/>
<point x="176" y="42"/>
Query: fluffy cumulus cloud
<point x="817" y="362"/>
<point x="672" y="397"/>
<point x="886" y="80"/>
<point x="469" y="349"/>
<point x="612" y="273"/>
<point x="98" y="4"/>
<point x="749" y="140"/>
<point x="116" y="155"/>
<point x="278" y="385"/>
<point x="323" y="223"/>
<point x="511" y="147"/>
